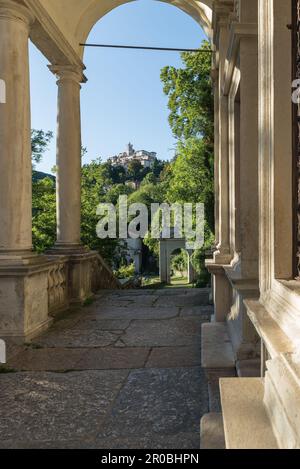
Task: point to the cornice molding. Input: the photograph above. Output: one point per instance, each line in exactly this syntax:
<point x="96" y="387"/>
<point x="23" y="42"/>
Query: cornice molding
<point x="238" y="31"/>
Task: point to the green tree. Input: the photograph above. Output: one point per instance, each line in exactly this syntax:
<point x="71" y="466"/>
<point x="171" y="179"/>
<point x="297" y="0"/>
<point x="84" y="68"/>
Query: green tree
<point x="39" y="143"/>
<point x="43" y="214"/>
<point x="191" y="179"/>
<point x="136" y="172"/>
<point x="190" y="96"/>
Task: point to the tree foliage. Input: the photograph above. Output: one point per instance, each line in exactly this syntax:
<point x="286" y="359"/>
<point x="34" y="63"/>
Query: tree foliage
<point x="190" y="96"/>
<point x="39" y="144"/>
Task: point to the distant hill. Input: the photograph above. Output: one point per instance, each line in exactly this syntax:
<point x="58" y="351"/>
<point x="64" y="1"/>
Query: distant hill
<point x="38" y="176"/>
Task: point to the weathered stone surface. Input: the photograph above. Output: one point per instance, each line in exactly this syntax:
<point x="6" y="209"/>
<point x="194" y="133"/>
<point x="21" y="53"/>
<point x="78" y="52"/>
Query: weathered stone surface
<point x="169" y="357"/>
<point x="78" y="338"/>
<point x="145" y="300"/>
<point x="203" y="312"/>
<point x="181" y="440"/>
<point x="135" y="312"/>
<point x="104" y="325"/>
<point x="191" y="297"/>
<point x="174" y="332"/>
<point x="144" y="388"/>
<point x="158" y="402"/>
<point x="52" y="407"/>
<point x="113" y="358"/>
<point x="47" y="359"/>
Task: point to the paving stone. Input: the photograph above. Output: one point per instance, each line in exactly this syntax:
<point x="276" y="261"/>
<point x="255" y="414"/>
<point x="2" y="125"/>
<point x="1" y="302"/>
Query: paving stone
<point x="158" y="402"/>
<point x="203" y="312"/>
<point x="140" y="384"/>
<point x="135" y="312"/>
<point x="119" y="302"/>
<point x="181" y="440"/>
<point x="198" y="298"/>
<point x="155" y="333"/>
<point x="78" y="338"/>
<point x="92" y="322"/>
<point x="171" y="291"/>
<point x="113" y="358"/>
<point x="145" y="300"/>
<point x="47" y="359"/>
<point x="53" y="407"/>
<point x="169" y="357"/>
<point x="133" y="293"/>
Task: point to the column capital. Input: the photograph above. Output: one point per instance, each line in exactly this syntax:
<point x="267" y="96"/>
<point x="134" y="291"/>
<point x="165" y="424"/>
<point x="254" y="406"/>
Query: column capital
<point x="72" y="73"/>
<point x="13" y="11"/>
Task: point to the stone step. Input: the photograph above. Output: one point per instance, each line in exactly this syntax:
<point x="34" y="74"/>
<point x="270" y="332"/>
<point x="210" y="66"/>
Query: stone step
<point x="217" y="352"/>
<point x="212" y="431"/>
<point x="246" y="422"/>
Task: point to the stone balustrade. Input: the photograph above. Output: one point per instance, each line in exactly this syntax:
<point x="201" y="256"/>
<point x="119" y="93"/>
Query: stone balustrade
<point x="102" y="276"/>
<point x="58" y="286"/>
<point x="98" y="276"/>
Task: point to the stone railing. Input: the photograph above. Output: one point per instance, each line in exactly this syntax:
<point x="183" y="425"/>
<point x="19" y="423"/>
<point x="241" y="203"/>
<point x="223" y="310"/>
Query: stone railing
<point x="58" y="294"/>
<point x="73" y="279"/>
<point x="102" y="276"/>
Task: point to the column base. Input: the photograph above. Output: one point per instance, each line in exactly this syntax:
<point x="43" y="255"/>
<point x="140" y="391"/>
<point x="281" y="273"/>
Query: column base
<point x="63" y="249"/>
<point x="245" y="341"/>
<point x="23" y="296"/>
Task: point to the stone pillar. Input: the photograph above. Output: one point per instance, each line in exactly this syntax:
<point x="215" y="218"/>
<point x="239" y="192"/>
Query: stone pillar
<point x="15" y="137"/>
<point x="222" y="255"/>
<point x="191" y="270"/>
<point x="68" y="184"/>
<point x="163" y="274"/>
<point x="23" y="274"/>
<point x="215" y="81"/>
<point x="243" y="272"/>
<point x="68" y="157"/>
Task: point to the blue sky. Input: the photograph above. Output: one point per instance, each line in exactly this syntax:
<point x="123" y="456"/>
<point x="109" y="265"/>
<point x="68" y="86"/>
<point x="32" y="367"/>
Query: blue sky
<point x="123" y="100"/>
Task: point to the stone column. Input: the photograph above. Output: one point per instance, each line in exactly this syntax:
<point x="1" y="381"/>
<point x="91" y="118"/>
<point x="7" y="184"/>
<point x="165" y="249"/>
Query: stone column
<point x="222" y="255"/>
<point x="23" y="274"/>
<point x="68" y="157"/>
<point x="215" y="81"/>
<point x="15" y="136"/>
<point x="68" y="184"/>
<point x="243" y="271"/>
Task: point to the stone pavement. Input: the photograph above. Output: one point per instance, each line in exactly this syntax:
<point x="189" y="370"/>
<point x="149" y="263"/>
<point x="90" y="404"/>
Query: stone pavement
<point x="123" y="372"/>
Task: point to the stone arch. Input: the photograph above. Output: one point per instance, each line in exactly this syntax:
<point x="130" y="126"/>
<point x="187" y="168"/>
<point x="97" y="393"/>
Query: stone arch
<point x="95" y="10"/>
<point x="166" y="248"/>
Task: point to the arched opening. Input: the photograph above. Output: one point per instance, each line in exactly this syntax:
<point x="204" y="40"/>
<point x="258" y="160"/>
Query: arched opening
<point x="181" y="274"/>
